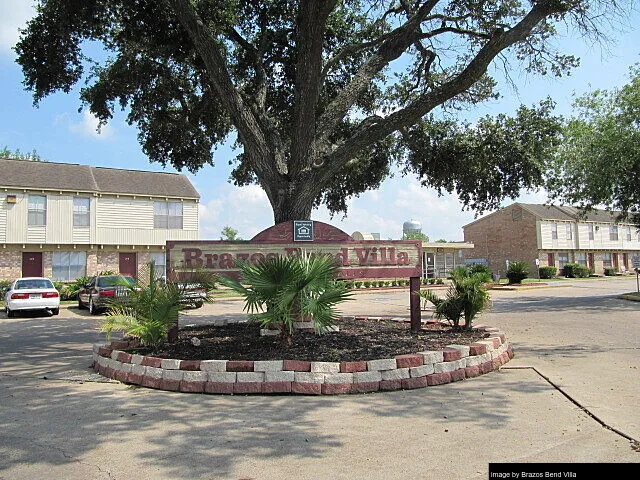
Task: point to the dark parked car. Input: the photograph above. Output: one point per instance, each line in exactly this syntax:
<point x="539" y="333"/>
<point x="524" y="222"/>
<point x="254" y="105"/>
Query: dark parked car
<point x="102" y="290"/>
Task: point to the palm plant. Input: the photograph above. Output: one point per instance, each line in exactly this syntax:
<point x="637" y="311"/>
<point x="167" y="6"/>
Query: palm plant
<point x="151" y="309"/>
<point x="466" y="297"/>
<point x="283" y="290"/>
<point x="517" y="272"/>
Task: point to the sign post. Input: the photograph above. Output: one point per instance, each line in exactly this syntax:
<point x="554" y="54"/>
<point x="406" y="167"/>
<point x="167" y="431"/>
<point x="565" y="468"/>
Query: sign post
<point x="636" y="266"/>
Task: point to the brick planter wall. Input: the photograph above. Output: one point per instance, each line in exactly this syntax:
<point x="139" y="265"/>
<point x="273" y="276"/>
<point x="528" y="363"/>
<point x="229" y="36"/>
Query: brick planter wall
<point x="419" y="370"/>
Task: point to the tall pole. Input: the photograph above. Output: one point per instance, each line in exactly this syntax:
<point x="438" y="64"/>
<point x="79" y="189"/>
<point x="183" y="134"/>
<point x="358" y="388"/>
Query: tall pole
<point x="414" y="304"/>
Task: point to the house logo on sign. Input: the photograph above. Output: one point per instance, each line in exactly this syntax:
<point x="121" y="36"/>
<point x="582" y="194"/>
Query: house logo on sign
<point x="303" y="231"/>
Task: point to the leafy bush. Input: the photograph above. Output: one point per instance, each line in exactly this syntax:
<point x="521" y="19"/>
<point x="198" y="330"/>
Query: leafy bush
<point x="432" y="281"/>
<point x="466" y="297"/>
<point x="481" y="272"/>
<point x="367" y="284"/>
<point x="424" y="281"/>
<point x="349" y="284"/>
<point x="284" y="290"/>
<point x="548" y="272"/>
<point x="439" y="281"/>
<point x="610" y="271"/>
<point x="574" y="270"/>
<point x="357" y="283"/>
<point x="394" y="283"/>
<point x="517" y="272"/>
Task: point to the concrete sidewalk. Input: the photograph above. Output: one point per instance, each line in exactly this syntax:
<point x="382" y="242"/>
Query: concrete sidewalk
<point x="583" y="339"/>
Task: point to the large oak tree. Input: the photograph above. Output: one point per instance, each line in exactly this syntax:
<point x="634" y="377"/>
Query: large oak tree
<point x="323" y="95"/>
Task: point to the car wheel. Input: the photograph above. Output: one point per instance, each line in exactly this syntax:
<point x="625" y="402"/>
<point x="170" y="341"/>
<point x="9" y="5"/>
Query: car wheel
<point x="198" y="304"/>
<point x="55" y="311"/>
<point x="92" y="308"/>
<point x="10" y="314"/>
<point x="80" y="304"/>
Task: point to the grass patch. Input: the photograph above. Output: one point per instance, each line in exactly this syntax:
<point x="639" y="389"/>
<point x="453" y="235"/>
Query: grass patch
<point x="633" y="296"/>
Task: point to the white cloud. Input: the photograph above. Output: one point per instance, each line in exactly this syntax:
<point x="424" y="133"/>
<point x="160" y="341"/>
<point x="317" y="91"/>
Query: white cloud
<point x="89" y="126"/>
<point x="13" y="16"/>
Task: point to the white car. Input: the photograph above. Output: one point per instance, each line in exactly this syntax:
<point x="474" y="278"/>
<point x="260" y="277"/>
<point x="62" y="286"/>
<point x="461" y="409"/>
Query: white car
<point x="32" y="293"/>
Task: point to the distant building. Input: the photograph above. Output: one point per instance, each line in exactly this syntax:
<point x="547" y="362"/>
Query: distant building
<point x="554" y="236"/>
<point x="439" y="258"/>
<point x="65" y="221"/>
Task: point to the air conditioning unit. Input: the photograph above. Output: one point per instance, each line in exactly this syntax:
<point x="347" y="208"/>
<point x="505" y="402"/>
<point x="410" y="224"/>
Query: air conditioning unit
<point x="12" y="199"/>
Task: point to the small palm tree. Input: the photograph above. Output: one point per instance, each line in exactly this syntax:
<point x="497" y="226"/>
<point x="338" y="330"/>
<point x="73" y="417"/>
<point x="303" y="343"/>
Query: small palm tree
<point x="152" y="307"/>
<point x="517" y="272"/>
<point x="466" y="297"/>
<point x="285" y="290"/>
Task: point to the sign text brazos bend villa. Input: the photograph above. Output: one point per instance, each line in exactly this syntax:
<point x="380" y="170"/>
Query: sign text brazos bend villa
<point x="356" y="259"/>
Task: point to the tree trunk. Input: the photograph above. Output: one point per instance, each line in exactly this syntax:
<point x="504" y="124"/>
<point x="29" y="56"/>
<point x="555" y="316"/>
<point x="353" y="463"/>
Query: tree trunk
<point x="292" y="200"/>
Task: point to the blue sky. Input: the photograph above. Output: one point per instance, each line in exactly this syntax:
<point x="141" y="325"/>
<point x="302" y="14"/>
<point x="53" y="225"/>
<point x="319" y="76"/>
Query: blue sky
<point x="59" y="133"/>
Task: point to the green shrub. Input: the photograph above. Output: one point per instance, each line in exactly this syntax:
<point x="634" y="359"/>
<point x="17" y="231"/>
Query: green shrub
<point x="547" y="272"/>
<point x="610" y="271"/>
<point x="573" y="270"/>
<point x="424" y="281"/>
<point x="432" y="281"/>
<point x="439" y="281"/>
<point x="357" y="283"/>
<point x="479" y="268"/>
<point x="349" y="284"/>
<point x="517" y="272"/>
<point x="367" y="284"/>
<point x="394" y="283"/>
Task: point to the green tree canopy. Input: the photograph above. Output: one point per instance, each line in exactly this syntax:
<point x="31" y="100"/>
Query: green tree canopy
<point x="415" y="236"/>
<point x="229" y="234"/>
<point x="598" y="163"/>
<point x="18" y="155"/>
<point x="311" y="89"/>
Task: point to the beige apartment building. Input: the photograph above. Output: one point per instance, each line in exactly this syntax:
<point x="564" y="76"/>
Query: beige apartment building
<point x="554" y="236"/>
<point x="65" y="221"/>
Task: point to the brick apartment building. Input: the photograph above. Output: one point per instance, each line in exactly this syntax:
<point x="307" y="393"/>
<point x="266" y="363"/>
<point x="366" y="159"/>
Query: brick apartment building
<point x="554" y="236"/>
<point x="65" y="221"/>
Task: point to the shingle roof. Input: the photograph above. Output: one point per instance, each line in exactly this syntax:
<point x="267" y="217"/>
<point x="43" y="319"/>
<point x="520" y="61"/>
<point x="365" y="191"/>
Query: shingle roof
<point x="557" y="212"/>
<point x="85" y="178"/>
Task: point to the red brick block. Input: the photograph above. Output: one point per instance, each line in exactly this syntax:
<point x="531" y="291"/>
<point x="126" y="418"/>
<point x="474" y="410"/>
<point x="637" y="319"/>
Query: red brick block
<point x="151" y="382"/>
<point x="505" y="358"/>
<point x="451" y="354"/>
<point x="510" y="352"/>
<point x="152" y="362"/>
<point x="350" y="367"/>
<point x="502" y="336"/>
<point x="417" y="382"/>
<point x="108" y="372"/>
<point x="219" y="387"/>
<point x="486" y="367"/>
<point x="306" y="388"/>
<point x="192" y="387"/>
<point x="364" y="387"/>
<point x="120" y="376"/>
<point x="387" y="385"/>
<point x="119" y="345"/>
<point x="408" y="361"/>
<point x="336" y="388"/>
<point x="170" y="385"/>
<point x="105" y="352"/>
<point x="239" y="366"/>
<point x="472" y="371"/>
<point x="362" y="319"/>
<point x="438" y="378"/>
<point x="135" y="378"/>
<point x="477" y="349"/>
<point x="124" y="357"/>
<point x="496" y="363"/>
<point x="247" y="387"/>
<point x="296" y="366"/>
<point x="276" y="387"/>
<point x="496" y="342"/>
<point x="458" y="375"/>
<point x="192" y="365"/>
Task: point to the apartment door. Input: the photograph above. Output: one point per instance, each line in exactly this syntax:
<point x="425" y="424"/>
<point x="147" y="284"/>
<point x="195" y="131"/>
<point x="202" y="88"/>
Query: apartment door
<point x="31" y="264"/>
<point x="590" y="260"/>
<point x="430" y="266"/>
<point x="625" y="261"/>
<point x="128" y="264"/>
<point x="551" y="261"/>
<point x="614" y="260"/>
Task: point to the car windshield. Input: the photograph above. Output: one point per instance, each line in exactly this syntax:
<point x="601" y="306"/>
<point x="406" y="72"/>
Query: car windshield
<point x="114" y="280"/>
<point x="33" y="283"/>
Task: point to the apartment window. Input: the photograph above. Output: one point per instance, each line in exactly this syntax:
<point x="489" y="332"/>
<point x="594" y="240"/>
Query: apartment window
<point x="37" y="215"/>
<point x="581" y="258"/>
<point x="167" y="215"/>
<point x="159" y="261"/>
<point x="81" y="211"/>
<point x="68" y="266"/>
<point x="613" y="233"/>
<point x="563" y="259"/>
<point x="606" y="260"/>
<point x="569" y="232"/>
<point x="591" y="235"/>
<point x="554" y="231"/>
<point x="628" y="234"/>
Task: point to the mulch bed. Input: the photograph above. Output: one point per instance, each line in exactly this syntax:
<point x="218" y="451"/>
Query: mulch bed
<point x="357" y="340"/>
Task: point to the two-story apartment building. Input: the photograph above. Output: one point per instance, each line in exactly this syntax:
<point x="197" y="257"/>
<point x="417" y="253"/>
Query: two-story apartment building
<point x="555" y="236"/>
<point x="65" y="221"/>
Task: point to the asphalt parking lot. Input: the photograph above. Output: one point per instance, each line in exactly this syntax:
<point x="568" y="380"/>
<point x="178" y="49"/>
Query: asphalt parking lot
<point x="570" y="395"/>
